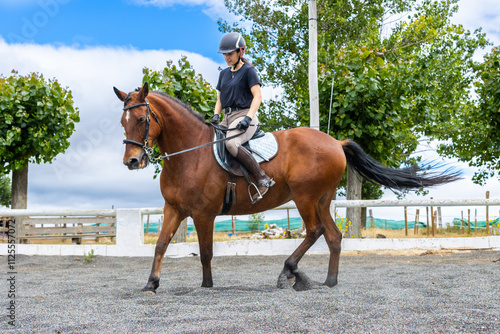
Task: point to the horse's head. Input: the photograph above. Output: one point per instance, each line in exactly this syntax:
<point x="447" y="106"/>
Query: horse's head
<point x="141" y="133"/>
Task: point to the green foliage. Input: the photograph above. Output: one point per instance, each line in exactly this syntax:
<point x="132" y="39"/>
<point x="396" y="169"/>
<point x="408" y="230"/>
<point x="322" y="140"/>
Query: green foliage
<point x="390" y="89"/>
<point x="5" y="191"/>
<point x="88" y="257"/>
<point x="256" y="218"/>
<point x="475" y="128"/>
<point x="184" y="84"/>
<point x="37" y="118"/>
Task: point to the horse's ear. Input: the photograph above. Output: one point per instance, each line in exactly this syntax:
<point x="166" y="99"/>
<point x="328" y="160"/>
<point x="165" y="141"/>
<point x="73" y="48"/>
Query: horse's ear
<point x="143" y="92"/>
<point x="121" y="95"/>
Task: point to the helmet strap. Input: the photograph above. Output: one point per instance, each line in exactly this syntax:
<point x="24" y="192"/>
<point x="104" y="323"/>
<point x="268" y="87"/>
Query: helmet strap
<point x="236" y="64"/>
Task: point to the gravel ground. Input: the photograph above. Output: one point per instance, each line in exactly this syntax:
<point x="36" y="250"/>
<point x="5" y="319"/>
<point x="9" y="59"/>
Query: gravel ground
<point x="443" y="292"/>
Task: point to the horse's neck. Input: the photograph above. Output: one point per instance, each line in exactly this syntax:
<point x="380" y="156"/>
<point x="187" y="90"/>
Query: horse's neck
<point x="180" y="129"/>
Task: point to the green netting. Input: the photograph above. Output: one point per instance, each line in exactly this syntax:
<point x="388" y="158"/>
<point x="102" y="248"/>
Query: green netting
<point x="473" y="224"/>
<point x="240" y="225"/>
<point x="391" y="224"/>
<point x="295" y="223"/>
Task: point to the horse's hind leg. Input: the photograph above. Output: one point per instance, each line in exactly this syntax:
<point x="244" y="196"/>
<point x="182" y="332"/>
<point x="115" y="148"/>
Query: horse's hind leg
<point x="314" y="229"/>
<point x="172" y="220"/>
<point x="333" y="238"/>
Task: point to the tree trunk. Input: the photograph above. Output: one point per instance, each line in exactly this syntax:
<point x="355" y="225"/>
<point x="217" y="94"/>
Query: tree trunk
<point x="354" y="183"/>
<point x="180" y="235"/>
<point x="19" y="199"/>
<point x="20" y="189"/>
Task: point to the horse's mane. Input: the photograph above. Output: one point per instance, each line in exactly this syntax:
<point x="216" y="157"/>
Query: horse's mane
<point x="171" y="98"/>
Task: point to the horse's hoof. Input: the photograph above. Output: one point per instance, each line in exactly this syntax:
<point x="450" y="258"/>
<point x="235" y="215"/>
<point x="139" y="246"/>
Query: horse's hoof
<point x="330" y="282"/>
<point x="302" y="282"/>
<point x="283" y="282"/>
<point x="207" y="284"/>
<point x="148" y="289"/>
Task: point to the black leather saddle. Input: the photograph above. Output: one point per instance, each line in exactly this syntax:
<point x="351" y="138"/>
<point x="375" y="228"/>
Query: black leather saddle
<point x="225" y="158"/>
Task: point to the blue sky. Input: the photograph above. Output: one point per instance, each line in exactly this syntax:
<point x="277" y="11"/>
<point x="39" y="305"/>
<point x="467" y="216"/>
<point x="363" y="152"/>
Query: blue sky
<point x="91" y="46"/>
<point x="124" y="23"/>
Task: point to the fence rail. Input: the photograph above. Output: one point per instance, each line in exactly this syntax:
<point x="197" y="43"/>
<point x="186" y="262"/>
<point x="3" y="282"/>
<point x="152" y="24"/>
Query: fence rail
<point x="73" y="228"/>
<point x="130" y="232"/>
<point x="289" y="205"/>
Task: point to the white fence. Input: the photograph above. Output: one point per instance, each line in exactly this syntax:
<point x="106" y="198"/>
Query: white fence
<point x="130" y="234"/>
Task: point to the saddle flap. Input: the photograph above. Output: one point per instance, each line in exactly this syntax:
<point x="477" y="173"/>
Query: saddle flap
<point x="263" y="146"/>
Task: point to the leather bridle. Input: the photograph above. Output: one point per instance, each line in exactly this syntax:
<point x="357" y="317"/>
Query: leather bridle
<point x="145" y="142"/>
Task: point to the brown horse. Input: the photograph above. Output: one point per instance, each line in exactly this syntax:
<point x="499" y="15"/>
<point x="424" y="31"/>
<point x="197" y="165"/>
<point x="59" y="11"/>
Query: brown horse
<point x="307" y="170"/>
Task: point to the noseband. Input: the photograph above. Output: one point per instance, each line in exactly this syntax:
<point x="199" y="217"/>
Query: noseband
<point x="145" y="143"/>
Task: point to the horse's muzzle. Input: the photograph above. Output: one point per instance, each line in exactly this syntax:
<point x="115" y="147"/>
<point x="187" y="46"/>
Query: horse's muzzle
<point x="137" y="162"/>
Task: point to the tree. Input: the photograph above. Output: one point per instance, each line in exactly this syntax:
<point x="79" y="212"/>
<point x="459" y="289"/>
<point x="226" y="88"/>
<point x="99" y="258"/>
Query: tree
<point x="5" y="192"/>
<point x="183" y="83"/>
<point x="474" y="131"/>
<point x="37" y="118"/>
<point x="390" y="89"/>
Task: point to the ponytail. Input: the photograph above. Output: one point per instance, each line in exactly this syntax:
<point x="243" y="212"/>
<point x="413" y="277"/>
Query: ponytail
<point x="246" y="61"/>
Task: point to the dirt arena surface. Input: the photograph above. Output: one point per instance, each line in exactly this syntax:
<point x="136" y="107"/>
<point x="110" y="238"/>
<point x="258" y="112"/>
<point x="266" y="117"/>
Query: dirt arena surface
<point x="379" y="292"/>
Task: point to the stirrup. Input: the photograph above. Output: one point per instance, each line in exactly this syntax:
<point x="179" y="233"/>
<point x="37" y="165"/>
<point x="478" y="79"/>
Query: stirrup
<point x="259" y="194"/>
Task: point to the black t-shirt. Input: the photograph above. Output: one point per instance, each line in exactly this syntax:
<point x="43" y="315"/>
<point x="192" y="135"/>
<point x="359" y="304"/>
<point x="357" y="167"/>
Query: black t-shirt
<point x="235" y="91"/>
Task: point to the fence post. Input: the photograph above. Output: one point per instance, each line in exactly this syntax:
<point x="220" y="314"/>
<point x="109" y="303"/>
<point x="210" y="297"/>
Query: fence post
<point x="434" y="223"/>
<point x="468" y="221"/>
<point x="417" y="221"/>
<point x="287" y="216"/>
<point x="233" y="223"/>
<point x="427" y="216"/>
<point x="463" y="222"/>
<point x="129" y="228"/>
<point x="432" y="219"/>
<point x="406" y="221"/>
<point x="475" y="221"/>
<point x="487" y="215"/>
<point x="440" y="218"/>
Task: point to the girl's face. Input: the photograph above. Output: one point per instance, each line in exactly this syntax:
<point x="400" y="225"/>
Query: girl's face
<point x="231" y="58"/>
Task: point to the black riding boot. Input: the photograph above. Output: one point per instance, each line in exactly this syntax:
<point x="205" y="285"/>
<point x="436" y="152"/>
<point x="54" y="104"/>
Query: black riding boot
<point x="264" y="182"/>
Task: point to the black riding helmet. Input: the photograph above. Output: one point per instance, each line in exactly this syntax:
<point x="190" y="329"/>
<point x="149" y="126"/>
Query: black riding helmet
<point x="232" y="41"/>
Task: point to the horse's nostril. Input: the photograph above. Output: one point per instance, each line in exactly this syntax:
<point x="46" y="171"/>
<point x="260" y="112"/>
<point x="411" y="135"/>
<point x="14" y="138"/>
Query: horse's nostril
<point x="133" y="163"/>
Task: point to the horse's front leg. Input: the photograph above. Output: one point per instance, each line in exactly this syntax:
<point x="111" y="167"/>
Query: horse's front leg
<point x="205" y="229"/>
<point x="172" y="220"/>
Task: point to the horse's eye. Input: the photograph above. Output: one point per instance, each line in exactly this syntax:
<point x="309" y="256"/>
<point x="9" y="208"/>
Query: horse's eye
<point x="140" y="120"/>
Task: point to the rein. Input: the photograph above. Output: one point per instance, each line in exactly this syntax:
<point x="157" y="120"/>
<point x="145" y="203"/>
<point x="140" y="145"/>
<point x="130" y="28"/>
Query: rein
<point x="167" y="156"/>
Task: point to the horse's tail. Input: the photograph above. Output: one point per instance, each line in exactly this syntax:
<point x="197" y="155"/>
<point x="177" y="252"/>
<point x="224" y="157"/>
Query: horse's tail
<point x="394" y="178"/>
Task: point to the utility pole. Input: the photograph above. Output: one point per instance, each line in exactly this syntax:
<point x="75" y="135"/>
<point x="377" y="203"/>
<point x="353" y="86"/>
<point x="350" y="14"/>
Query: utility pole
<point x="313" y="66"/>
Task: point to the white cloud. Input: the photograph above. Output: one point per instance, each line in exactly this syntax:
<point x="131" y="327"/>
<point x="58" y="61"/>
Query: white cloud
<point x="213" y="8"/>
<point x="480" y="13"/>
<point x="483" y="14"/>
<point x="90" y="174"/>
